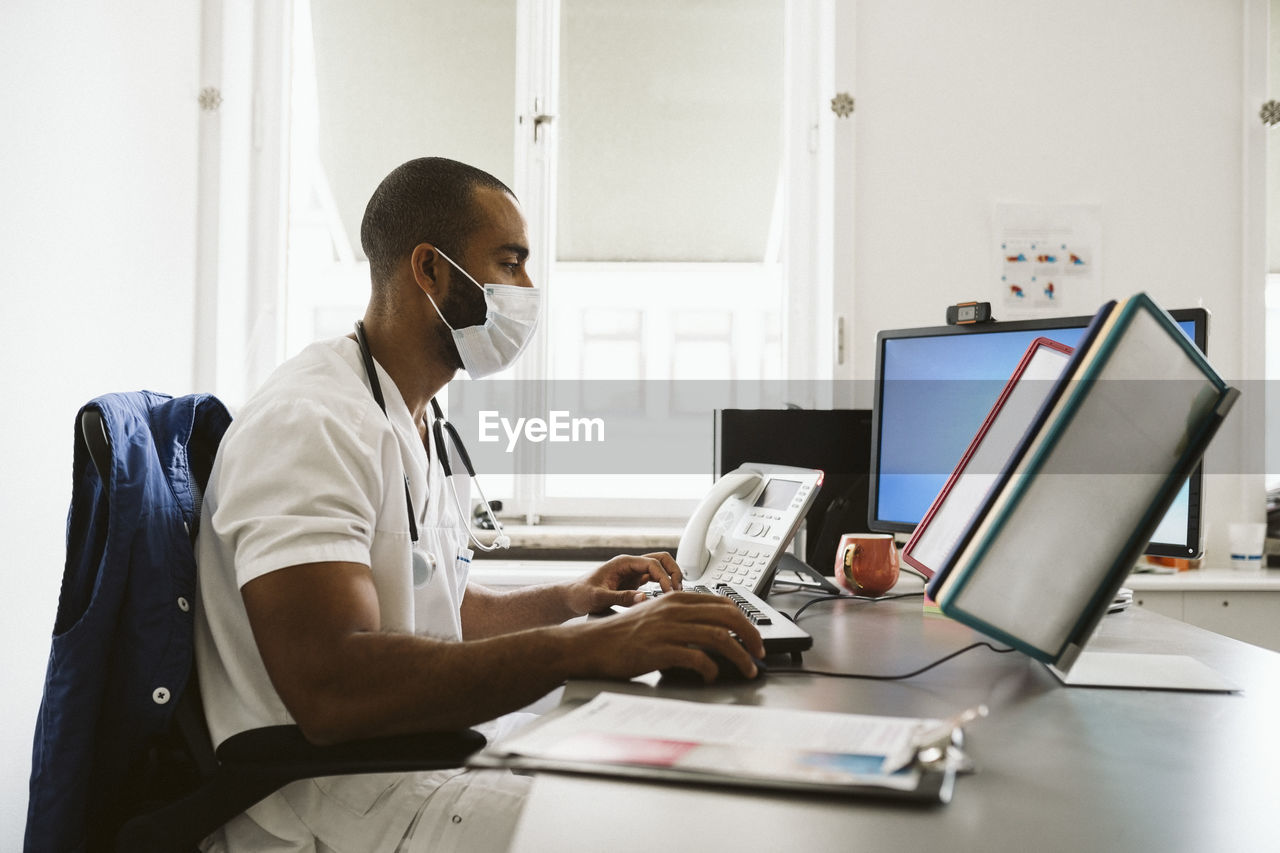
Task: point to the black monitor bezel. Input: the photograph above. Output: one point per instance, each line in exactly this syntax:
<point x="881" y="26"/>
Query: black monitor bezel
<point x="777" y="431"/>
<point x="1198" y="316"/>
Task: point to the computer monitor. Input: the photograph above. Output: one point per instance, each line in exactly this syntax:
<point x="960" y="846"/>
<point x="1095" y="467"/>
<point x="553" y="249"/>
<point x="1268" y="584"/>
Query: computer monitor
<point x="837" y="441"/>
<point x="935" y="386"/>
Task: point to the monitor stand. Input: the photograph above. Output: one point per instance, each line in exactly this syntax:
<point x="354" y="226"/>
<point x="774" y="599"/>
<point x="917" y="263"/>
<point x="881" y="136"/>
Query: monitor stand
<point x="794" y="571"/>
<point x="1142" y="672"/>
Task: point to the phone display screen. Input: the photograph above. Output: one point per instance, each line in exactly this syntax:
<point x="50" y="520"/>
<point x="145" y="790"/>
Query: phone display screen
<point x="777" y="494"/>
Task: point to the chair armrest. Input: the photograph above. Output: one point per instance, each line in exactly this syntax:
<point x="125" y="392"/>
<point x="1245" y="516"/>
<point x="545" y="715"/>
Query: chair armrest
<point x="281" y="747"/>
<point x="255" y="763"/>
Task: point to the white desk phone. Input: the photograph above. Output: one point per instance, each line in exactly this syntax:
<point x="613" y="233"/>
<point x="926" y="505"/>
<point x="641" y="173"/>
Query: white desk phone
<point x="744" y="523"/>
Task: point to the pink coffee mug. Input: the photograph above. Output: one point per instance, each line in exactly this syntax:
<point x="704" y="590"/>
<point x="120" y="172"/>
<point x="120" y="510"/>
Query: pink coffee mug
<point x="867" y="563"/>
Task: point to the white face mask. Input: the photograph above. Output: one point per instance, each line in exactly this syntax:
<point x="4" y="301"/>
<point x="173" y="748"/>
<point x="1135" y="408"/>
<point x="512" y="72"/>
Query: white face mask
<point x="510" y="321"/>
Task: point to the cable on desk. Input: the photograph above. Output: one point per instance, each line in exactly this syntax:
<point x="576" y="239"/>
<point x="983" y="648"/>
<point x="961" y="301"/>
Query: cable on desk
<point x="795" y="617"/>
<point x="912" y="674"/>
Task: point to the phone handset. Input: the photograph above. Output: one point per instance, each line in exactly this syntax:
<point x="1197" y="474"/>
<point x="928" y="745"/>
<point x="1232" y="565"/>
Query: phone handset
<point x="695" y="549"/>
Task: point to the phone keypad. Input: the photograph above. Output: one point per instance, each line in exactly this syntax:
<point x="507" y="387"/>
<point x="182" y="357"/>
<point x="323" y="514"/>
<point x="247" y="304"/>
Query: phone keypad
<point x="741" y="565"/>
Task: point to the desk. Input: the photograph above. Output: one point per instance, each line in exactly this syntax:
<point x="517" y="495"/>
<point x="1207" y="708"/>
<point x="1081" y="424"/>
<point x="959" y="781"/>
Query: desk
<point x="1060" y="768"/>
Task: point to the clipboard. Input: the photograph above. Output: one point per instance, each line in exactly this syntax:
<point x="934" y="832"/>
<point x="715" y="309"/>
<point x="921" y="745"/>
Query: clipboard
<point x="927" y="777"/>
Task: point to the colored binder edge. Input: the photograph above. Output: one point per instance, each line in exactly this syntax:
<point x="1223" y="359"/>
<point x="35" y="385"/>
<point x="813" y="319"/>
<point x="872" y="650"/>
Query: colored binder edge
<point x="1086" y="342"/>
<point x="1027" y="357"/>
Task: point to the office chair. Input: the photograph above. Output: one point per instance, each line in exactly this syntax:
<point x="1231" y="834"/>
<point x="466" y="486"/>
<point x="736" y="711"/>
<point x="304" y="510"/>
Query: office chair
<point x="175" y="789"/>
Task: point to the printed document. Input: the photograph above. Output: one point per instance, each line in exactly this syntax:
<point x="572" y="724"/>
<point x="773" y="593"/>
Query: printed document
<point x="729" y="740"/>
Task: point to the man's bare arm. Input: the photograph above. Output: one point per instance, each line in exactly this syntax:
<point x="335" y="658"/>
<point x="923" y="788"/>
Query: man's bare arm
<point x="488" y="613"/>
<point x="318" y="629"/>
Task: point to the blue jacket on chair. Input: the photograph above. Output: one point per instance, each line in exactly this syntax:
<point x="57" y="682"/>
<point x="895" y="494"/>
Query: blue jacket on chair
<point x="122" y="647"/>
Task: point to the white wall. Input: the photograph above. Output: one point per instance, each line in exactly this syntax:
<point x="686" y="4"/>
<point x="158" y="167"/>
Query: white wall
<point x="1137" y="107"/>
<point x="97" y="263"/>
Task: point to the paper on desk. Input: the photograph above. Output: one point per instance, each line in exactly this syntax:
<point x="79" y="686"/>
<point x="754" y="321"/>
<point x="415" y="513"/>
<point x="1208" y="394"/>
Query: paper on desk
<point x="727" y="740"/>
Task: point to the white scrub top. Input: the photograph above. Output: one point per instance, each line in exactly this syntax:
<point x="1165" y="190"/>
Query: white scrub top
<point x="312" y="471"/>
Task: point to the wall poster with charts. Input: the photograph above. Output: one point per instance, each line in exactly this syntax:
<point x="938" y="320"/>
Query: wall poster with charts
<point x="1047" y="261"/>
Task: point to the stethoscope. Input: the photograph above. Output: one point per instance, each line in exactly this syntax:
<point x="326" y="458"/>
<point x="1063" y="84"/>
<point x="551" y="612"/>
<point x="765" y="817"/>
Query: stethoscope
<point x="424" y="566"/>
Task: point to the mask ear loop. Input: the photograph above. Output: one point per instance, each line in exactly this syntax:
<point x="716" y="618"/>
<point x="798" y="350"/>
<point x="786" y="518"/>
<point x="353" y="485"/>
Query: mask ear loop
<point x="439" y="426"/>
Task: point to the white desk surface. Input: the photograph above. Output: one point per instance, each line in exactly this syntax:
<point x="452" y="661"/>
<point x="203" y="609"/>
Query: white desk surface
<point x="1060" y="769"/>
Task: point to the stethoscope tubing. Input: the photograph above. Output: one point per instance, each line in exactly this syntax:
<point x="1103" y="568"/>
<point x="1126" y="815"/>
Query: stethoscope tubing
<point x="439" y="427"/>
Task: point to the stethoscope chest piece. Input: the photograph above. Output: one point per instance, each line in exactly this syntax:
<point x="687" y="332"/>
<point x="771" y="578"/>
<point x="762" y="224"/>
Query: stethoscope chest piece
<point x="424" y="567"/>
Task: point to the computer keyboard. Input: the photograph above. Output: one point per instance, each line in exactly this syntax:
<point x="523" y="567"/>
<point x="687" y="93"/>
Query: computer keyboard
<point x="779" y="633"/>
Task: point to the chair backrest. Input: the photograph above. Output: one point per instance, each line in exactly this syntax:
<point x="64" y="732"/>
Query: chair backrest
<point x="189" y="742"/>
<point x="178" y="791"/>
<point x="121" y="720"/>
<point x="93" y="432"/>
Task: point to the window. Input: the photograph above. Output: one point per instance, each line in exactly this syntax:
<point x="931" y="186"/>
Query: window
<point x="668" y="155"/>
<point x="366" y="95"/>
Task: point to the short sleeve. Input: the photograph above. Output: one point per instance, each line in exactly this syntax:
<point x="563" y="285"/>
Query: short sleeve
<point x="296" y="484"/>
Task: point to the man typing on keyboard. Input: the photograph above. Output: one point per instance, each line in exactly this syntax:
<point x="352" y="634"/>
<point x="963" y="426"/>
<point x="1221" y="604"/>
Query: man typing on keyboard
<point x="333" y="566"/>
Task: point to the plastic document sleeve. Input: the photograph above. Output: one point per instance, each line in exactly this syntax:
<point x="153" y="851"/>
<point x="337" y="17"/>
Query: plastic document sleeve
<point x="938" y="533"/>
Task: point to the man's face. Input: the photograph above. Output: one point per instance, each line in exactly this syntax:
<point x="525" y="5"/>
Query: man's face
<point x="496" y="250"/>
<point x="494" y="253"/>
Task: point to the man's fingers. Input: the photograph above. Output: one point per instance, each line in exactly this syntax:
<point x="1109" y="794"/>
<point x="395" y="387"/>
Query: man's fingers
<point x="688" y="630"/>
<point x="665" y="572"/>
<point x="692" y="658"/>
<point x="627" y="598"/>
<point x="670" y="566"/>
<point x="701" y="655"/>
<point x="700" y="607"/>
<point x="632" y="571"/>
<point x="714" y="614"/>
<point x="727" y="645"/>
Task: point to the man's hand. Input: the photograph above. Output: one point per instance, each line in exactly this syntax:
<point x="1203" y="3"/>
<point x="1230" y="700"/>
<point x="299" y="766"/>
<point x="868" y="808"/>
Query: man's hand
<point x="670" y="631"/>
<point x="616" y="582"/>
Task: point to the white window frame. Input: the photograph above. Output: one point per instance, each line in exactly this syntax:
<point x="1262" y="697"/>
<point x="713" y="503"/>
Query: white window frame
<point x="806" y="233"/>
<point x="244" y="187"/>
<point x="243" y="195"/>
<point x="1272" y="380"/>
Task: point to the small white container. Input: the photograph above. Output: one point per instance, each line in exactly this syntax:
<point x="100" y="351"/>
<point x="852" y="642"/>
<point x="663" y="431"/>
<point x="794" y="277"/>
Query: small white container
<point x="1247" y="540"/>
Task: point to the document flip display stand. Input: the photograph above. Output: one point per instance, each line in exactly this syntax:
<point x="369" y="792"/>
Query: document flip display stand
<point x="1045" y="550"/>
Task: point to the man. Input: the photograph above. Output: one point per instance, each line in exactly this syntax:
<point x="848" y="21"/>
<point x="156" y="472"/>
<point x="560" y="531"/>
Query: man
<point x="323" y="603"/>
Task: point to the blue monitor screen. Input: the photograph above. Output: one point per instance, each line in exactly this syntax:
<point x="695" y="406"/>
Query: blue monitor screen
<point x="935" y="387"/>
